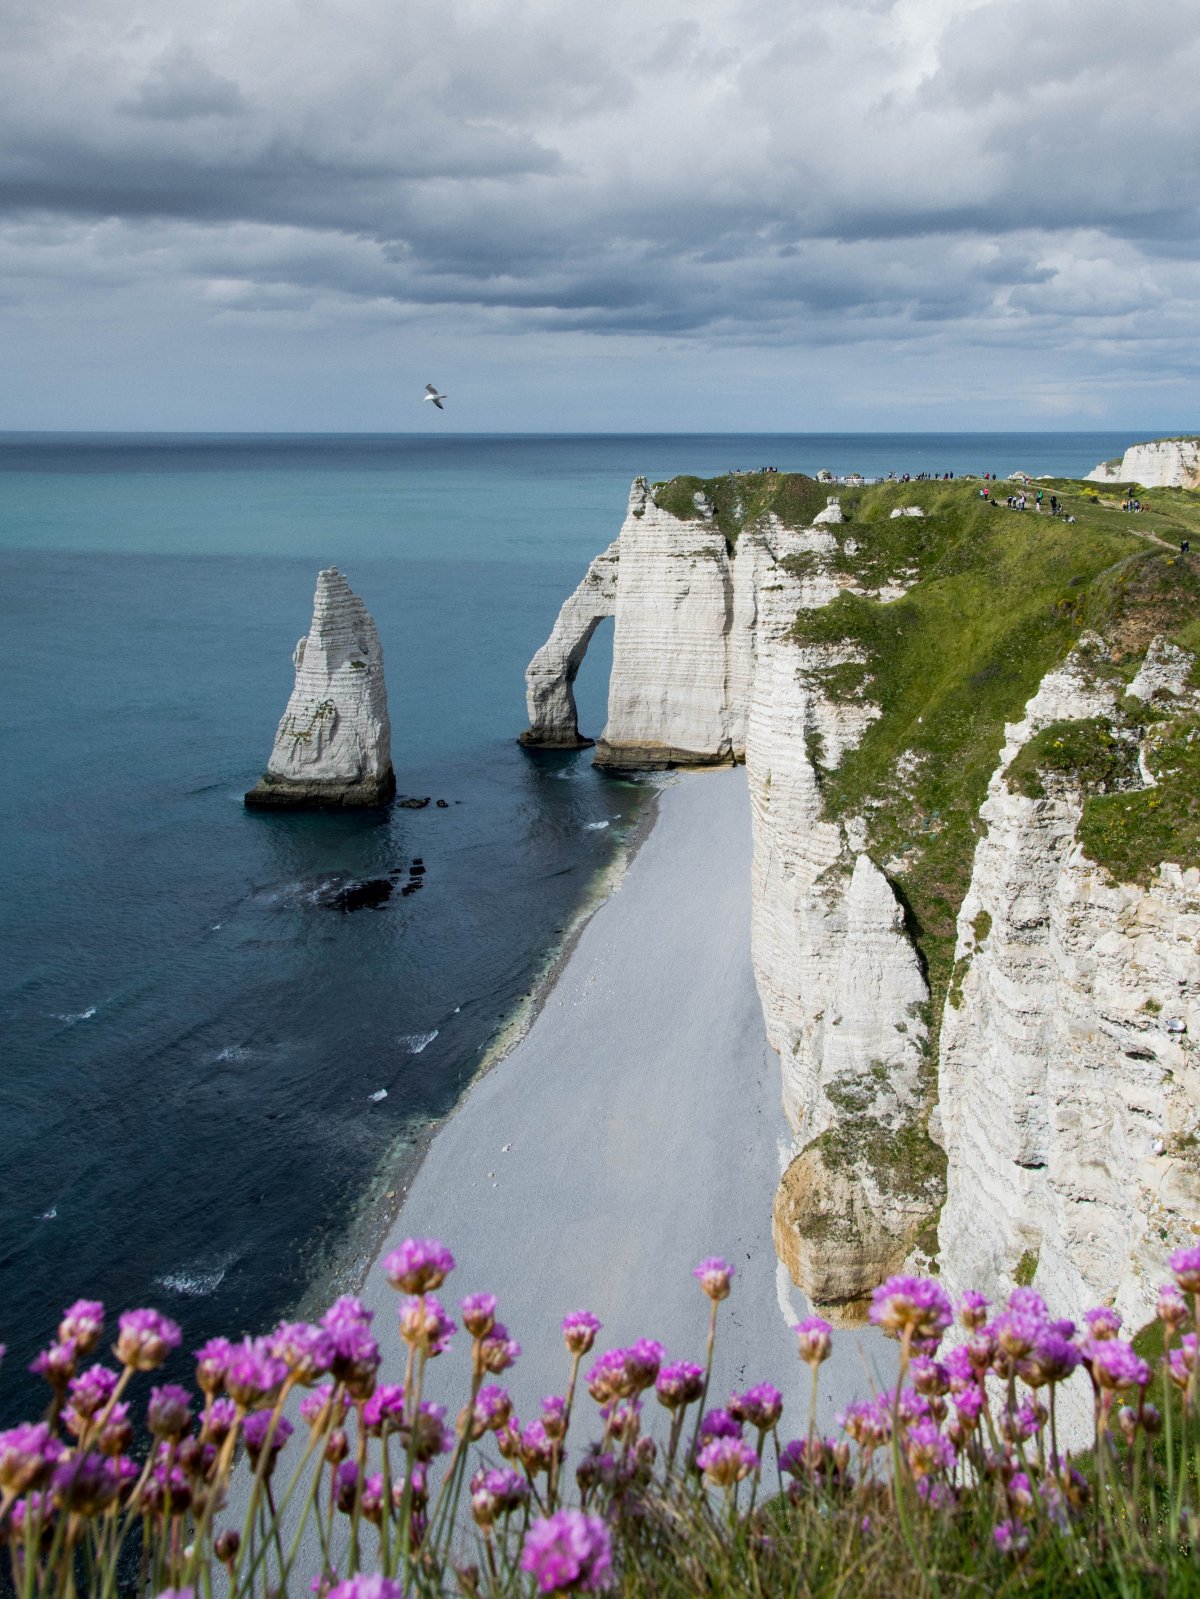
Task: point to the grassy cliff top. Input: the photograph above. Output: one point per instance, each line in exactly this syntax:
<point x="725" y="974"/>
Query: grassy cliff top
<point x="740" y="501"/>
<point x="998" y="598"/>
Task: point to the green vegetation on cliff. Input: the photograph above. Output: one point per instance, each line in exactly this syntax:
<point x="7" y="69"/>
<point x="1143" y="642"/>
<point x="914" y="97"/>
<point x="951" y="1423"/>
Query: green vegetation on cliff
<point x="996" y="600"/>
<point x="740" y="501"/>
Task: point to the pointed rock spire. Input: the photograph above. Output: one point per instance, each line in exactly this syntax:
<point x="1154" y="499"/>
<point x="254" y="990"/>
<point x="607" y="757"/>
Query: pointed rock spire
<point x="334" y="744"/>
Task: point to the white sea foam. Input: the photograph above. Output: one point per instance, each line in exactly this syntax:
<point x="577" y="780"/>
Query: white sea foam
<point x="193" y="1282"/>
<point x="414" y="1043"/>
<point x="71" y="1017"/>
<point x="235" y="1052"/>
<point x="594" y="827"/>
<point x="49" y="1215"/>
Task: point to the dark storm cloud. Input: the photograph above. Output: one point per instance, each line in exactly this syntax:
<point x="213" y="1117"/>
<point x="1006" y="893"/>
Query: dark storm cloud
<point x="636" y="168"/>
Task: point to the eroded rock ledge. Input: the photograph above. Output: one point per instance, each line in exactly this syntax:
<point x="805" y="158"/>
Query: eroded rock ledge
<point x="333" y="747"/>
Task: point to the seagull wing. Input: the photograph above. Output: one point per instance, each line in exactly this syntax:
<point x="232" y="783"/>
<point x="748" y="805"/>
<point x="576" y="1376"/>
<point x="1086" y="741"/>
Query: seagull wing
<point x="437" y="402"/>
<point x="430" y="390"/>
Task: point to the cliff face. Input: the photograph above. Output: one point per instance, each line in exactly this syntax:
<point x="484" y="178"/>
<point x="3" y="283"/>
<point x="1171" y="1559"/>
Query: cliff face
<point x="1069" y="1076"/>
<point x="982" y="981"/>
<point x="1162" y="464"/>
<point x="333" y="747"/>
<point x="549" y="695"/>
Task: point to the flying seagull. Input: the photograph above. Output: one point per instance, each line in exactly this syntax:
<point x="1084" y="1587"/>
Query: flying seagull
<point x="432" y="394"/>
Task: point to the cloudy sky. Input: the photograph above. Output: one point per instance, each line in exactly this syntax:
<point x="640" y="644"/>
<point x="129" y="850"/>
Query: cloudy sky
<point x="608" y="214"/>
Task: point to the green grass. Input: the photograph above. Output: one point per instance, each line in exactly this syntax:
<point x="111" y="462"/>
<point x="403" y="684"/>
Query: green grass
<point x="1092" y="755"/>
<point x="998" y="600"/>
<point x="1130" y="834"/>
<point x="740" y="502"/>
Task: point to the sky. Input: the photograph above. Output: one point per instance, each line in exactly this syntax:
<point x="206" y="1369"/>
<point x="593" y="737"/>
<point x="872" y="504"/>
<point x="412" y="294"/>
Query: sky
<point x="608" y="215"/>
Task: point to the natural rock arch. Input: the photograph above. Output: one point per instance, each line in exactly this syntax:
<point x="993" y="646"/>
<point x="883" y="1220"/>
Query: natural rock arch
<point x="550" y="676"/>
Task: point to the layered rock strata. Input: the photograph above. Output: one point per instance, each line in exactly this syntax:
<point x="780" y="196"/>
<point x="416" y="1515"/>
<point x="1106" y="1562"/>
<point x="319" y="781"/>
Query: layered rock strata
<point x="704" y="671"/>
<point x="1069" y="1078"/>
<point x="1161" y="464"/>
<point x="333" y="747"/>
<point x="550" y="676"/>
<point x="1066" y="1082"/>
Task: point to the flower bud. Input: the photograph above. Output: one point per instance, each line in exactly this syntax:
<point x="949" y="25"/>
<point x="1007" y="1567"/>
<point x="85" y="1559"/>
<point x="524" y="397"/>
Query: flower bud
<point x="227" y="1544"/>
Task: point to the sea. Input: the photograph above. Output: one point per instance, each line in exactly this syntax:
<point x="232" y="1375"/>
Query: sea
<point x="219" y="1057"/>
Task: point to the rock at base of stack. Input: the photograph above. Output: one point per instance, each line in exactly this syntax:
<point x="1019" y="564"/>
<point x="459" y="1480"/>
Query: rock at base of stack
<point x="333" y="749"/>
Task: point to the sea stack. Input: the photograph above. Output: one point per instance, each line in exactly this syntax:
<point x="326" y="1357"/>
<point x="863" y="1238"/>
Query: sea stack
<point x="333" y="748"/>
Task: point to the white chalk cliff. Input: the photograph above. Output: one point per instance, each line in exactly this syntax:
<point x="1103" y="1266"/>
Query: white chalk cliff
<point x="1069" y="1081"/>
<point x="1066" y="1089"/>
<point x="333" y="747"/>
<point x="703" y="672"/>
<point x="1161" y="464"/>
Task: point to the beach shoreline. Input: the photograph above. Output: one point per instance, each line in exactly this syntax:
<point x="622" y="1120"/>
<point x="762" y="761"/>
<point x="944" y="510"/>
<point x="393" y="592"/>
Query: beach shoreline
<point x="633" y="1128"/>
<point x="346" y="1265"/>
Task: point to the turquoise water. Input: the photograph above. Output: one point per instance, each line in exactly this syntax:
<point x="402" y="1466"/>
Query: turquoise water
<point x="193" y="1030"/>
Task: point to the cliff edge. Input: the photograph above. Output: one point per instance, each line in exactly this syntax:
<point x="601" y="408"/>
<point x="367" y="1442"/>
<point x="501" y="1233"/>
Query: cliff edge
<point x="1161" y="464"/>
<point x="973" y="743"/>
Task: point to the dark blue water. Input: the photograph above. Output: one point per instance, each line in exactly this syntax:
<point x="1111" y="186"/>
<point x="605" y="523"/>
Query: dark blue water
<point x="191" y="1030"/>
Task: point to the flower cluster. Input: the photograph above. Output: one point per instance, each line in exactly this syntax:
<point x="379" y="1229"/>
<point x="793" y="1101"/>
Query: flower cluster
<point x="971" y="1420"/>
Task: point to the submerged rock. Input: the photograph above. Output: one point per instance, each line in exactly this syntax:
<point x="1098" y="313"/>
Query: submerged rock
<point x="333" y="747"/>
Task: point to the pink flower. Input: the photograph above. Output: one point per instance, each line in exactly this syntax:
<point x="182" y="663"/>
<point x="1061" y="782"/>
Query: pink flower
<point x="212" y="1362"/>
<point x="569" y="1551"/>
<point x="720" y="1424"/>
<point x="725" y="1461"/>
<point x="917" y="1306"/>
<point x="761" y="1406"/>
<point x="1172" y="1306"/>
<point x="425" y="1325"/>
<point x="385" y="1406"/>
<point x="497" y="1493"/>
<point x="1010" y="1538"/>
<point x="366" y="1586"/>
<point x="680" y="1383"/>
<point x="579" y="1330"/>
<point x="306" y="1351"/>
<point x="145" y="1339"/>
<point x="972" y="1309"/>
<point x="493" y="1407"/>
<point x="815" y="1338"/>
<point x="642" y="1362"/>
<point x="607" y="1380"/>
<point x="479" y="1314"/>
<point x="27" y="1453"/>
<point x="1103" y="1322"/>
<point x="1185" y="1263"/>
<point x="714" y="1276"/>
<point x="554" y="1416"/>
<point x="82" y="1325"/>
<point x="1115" y="1365"/>
<point x="253" y="1375"/>
<point x="169" y="1411"/>
<point x="419" y="1265"/>
<point x="498" y="1351"/>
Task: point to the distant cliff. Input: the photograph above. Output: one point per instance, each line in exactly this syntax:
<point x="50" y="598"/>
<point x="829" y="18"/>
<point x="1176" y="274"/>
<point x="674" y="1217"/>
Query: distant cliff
<point x="973" y="742"/>
<point x="1162" y="464"/>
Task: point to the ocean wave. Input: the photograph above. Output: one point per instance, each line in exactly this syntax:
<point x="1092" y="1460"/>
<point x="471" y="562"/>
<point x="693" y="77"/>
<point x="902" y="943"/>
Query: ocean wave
<point x="414" y="1043"/>
<point x="193" y="1282"/>
<point x="236" y="1052"/>
<point x="71" y="1017"/>
<point x="594" y="827"/>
